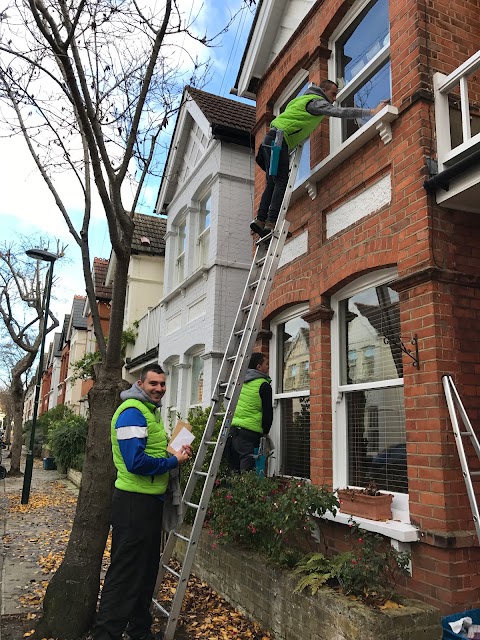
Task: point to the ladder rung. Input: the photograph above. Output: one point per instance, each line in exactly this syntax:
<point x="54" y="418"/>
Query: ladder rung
<point x="201" y="473"/>
<point x="475" y="473"/>
<point x="247" y="308"/>
<point x="260" y="261"/>
<point x="179" y="535"/>
<point x="254" y="284"/>
<point x="219" y="414"/>
<point x="162" y="609"/>
<point x="211" y="442"/>
<point x="172" y="571"/>
<point x="232" y="358"/>
<point x="465" y="433"/>
<point x="192" y="505"/>
<point x="240" y="332"/>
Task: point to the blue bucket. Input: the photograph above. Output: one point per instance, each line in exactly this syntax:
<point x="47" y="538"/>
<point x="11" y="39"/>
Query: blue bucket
<point x="448" y="634"/>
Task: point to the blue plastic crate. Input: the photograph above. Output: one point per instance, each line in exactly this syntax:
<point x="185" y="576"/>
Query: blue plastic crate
<point x="448" y="634"/>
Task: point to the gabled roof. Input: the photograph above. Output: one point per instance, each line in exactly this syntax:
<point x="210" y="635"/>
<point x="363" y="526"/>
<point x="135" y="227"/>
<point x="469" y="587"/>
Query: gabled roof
<point x="149" y="235"/>
<point x="228" y="120"/>
<point x="223" y="111"/>
<point x="79" y="321"/>
<point x="99" y="272"/>
<point x="273" y="28"/>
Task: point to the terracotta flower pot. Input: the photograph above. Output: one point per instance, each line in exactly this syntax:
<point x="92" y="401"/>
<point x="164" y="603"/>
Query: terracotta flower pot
<point x="360" y="504"/>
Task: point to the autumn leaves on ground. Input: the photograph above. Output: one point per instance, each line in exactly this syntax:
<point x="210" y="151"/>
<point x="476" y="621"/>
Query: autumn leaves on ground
<point x="38" y="533"/>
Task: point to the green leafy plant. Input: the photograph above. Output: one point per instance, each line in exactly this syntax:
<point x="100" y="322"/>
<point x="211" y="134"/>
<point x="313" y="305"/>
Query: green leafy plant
<point x="267" y="514"/>
<point x="67" y="440"/>
<point x="318" y="570"/>
<point x="82" y="369"/>
<point x="198" y="418"/>
<point x="369" y="571"/>
<point x="43" y="425"/>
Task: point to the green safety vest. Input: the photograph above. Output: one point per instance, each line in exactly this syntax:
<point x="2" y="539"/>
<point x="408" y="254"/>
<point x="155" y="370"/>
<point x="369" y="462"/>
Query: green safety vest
<point x="248" y="413"/>
<point x="156" y="448"/>
<point x="295" y="122"/>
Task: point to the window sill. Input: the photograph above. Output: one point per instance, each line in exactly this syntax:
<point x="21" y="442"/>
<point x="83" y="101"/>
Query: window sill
<point x="378" y="124"/>
<point x="180" y="288"/>
<point x="394" y="529"/>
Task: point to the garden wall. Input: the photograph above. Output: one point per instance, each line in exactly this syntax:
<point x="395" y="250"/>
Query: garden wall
<point x="265" y="594"/>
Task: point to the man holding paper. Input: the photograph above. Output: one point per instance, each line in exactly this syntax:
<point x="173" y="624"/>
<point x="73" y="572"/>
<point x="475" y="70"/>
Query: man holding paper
<point x="139" y="445"/>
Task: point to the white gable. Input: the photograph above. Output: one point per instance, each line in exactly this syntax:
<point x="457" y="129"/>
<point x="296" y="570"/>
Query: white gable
<point x="274" y="26"/>
<point x="190" y="141"/>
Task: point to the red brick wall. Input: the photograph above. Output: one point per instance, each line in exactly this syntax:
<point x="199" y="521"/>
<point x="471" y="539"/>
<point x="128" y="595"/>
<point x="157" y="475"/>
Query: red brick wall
<point x="437" y="254"/>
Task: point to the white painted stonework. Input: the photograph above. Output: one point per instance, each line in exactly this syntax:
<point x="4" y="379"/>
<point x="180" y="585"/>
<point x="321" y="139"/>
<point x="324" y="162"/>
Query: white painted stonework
<point x="293" y="249"/>
<point x="378" y="195"/>
<point x="198" y="310"/>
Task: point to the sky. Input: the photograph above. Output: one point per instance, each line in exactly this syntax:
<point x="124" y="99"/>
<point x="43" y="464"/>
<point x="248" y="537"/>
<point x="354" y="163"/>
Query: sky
<point x="27" y="207"/>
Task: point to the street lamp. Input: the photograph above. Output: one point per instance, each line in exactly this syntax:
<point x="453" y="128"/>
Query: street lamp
<point x="45" y="256"/>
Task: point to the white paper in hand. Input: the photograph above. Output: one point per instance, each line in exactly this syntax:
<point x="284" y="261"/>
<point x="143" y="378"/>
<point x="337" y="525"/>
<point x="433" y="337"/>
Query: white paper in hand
<point x="183" y="437"/>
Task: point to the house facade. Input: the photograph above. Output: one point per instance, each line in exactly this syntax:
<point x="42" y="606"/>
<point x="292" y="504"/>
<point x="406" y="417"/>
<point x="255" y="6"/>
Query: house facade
<point x="377" y="292"/>
<point x="207" y="194"/>
<point x="144" y="292"/>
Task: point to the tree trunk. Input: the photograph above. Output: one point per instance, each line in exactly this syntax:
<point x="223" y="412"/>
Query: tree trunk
<point x="17" y="394"/>
<point x="71" y="598"/>
<point x="8" y="427"/>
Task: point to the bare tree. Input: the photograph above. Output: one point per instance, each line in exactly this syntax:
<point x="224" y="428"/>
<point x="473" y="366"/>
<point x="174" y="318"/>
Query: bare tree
<point x="22" y="306"/>
<point x="91" y="84"/>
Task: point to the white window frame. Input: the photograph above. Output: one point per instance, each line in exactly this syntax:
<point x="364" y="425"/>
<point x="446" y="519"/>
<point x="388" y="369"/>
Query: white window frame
<point x="203" y="232"/>
<point x="275" y="433"/>
<point x="195" y="354"/>
<point x="379" y="59"/>
<point x="173" y="365"/>
<point x="400" y="507"/>
<point x="180" y="256"/>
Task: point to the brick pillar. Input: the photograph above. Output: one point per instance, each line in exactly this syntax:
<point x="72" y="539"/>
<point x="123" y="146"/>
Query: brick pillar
<point x="321" y="464"/>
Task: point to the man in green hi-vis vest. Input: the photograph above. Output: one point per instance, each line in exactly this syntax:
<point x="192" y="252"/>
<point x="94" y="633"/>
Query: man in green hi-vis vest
<point x="253" y="416"/>
<point x="139" y="445"/>
<point x="301" y="117"/>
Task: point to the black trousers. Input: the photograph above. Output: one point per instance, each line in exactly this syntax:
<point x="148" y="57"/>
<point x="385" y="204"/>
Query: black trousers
<point x="275" y="187"/>
<point x="239" y="449"/>
<point x="135" y="557"/>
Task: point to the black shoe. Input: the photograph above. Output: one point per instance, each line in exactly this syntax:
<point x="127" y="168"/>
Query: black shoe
<point x="257" y="226"/>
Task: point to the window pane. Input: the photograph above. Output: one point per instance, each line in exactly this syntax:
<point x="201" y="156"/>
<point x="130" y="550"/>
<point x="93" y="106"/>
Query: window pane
<point x="182" y="238"/>
<point x="294" y="355"/>
<point x="371" y="321"/>
<point x="205" y="208"/>
<point x="363" y="40"/>
<point x="376" y="439"/>
<point x="196" y="395"/>
<point x="295" y="420"/>
<point x="370" y="93"/>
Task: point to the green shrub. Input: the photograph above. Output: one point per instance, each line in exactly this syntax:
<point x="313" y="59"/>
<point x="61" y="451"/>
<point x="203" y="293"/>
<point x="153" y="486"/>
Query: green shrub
<point x="198" y="418"/>
<point x="67" y="440"/>
<point x="43" y="425"/>
<point x="369" y="571"/>
<point x="267" y="514"/>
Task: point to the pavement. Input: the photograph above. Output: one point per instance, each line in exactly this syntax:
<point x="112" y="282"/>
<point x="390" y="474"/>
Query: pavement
<point x="23" y="533"/>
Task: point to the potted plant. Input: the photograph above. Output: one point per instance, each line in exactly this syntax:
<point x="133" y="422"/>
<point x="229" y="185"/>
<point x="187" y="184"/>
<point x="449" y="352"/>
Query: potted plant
<point x="366" y="503"/>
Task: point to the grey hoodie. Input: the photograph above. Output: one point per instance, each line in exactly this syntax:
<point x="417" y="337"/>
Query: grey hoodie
<point x="322" y="106"/>
<point x="137" y="393"/>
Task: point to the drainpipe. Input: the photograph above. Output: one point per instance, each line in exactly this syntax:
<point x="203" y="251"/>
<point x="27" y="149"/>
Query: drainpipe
<point x="442" y="180"/>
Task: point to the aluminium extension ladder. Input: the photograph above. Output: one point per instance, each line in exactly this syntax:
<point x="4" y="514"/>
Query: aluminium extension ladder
<point x="455" y="405"/>
<point x="227" y="390"/>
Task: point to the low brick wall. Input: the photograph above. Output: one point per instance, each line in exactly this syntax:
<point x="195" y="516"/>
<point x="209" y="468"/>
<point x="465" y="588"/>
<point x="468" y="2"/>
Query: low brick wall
<point x="265" y="594"/>
<point x="74" y="476"/>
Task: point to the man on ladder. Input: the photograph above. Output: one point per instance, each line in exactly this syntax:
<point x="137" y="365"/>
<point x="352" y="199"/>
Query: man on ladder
<point x="301" y="117"/>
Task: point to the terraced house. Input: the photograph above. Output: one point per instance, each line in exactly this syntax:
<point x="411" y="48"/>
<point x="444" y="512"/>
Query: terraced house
<point x="377" y="295"/>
